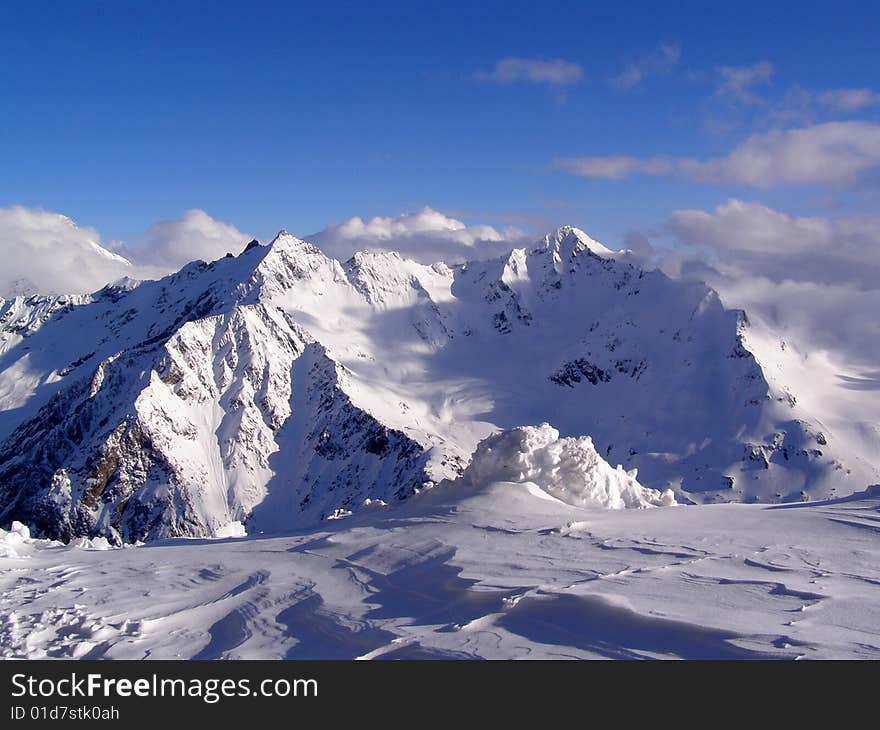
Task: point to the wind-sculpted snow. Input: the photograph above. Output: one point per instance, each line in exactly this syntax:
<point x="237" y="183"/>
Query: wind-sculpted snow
<point x="281" y="387"/>
<point x="498" y="572"/>
<point x="16" y="542"/>
<point x="569" y="469"/>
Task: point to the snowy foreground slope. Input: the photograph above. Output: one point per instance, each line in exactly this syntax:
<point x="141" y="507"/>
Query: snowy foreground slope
<point x="500" y="571"/>
<point x="281" y="387"/>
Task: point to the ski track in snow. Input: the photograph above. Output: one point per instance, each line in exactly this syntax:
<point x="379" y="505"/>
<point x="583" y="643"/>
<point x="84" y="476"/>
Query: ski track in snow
<point x="494" y="572"/>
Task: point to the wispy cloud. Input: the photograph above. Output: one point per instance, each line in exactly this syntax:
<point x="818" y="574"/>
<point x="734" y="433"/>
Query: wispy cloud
<point x="801" y="105"/>
<point x="616" y="167"/>
<point x="737" y="82"/>
<point x="551" y="72"/>
<point x="849" y="100"/>
<point x="656" y="63"/>
<point x="743" y="96"/>
<point x="834" y="153"/>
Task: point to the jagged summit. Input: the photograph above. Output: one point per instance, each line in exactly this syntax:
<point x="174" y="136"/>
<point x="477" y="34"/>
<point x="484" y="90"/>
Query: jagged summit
<point x="564" y="241"/>
<point x="288" y="241"/>
<point x="567" y="240"/>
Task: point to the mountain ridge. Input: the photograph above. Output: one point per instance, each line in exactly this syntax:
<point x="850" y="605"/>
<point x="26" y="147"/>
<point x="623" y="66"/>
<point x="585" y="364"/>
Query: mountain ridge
<point x="281" y="386"/>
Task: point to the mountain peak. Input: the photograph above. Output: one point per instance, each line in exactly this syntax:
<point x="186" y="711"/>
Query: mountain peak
<point x="568" y="239"/>
<point x="290" y="243"/>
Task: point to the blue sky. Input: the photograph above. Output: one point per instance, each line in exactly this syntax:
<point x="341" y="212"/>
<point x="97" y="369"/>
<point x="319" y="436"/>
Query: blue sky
<point x="301" y="115"/>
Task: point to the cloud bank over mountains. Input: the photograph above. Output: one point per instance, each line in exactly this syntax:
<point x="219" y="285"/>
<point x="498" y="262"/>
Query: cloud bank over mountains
<point x="47" y="252"/>
<point x="426" y="236"/>
<point x="195" y="235"/>
<point x="816" y="278"/>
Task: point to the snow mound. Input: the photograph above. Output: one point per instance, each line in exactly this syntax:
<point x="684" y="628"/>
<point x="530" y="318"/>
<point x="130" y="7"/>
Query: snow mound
<point x="569" y="469"/>
<point x="231" y="529"/>
<point x="90" y="543"/>
<point x="16" y="542"/>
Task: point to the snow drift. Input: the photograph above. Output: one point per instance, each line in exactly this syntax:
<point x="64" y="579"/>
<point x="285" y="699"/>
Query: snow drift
<point x="569" y="469"/>
<point x="17" y="542"/>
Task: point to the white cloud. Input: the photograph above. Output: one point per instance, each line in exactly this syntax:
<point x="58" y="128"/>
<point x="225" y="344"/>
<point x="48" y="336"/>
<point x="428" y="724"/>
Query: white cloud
<point x="47" y="252"/>
<point x="639" y="244"/>
<point x="834" y="153"/>
<point x="849" y="100"/>
<point x="656" y="63"/>
<point x="736" y="82"/>
<point x="615" y="167"/>
<point x="816" y="278"/>
<point x="554" y="72"/>
<point x="804" y="105"/>
<point x="195" y="235"/>
<point x="741" y="98"/>
<point x="780" y="246"/>
<point x="740" y="226"/>
<point x="426" y="236"/>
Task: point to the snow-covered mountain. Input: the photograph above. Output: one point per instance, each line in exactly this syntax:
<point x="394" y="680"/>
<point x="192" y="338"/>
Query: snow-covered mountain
<point x="281" y="387"/>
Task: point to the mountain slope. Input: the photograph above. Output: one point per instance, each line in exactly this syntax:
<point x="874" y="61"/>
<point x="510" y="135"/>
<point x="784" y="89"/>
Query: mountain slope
<point x="281" y="387"/>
